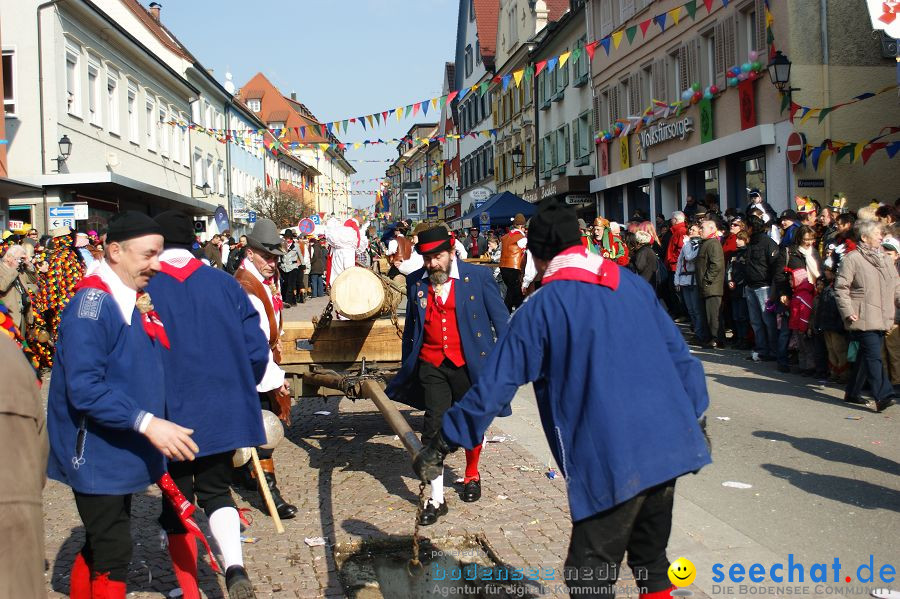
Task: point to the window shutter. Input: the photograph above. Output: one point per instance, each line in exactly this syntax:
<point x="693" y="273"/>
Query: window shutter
<point x="730" y="42"/>
<point x="576" y="140"/>
<point x="606" y="18"/>
<point x="568" y="145"/>
<point x="683" y="77"/>
<point x="761" y="25"/>
<point x="613" y="105"/>
<point x="634" y="89"/>
<point x="592" y="127"/>
<point x="626" y="10"/>
<point x="719" y="45"/>
<point x="660" y="81"/>
<point x="693" y="47"/>
<point x="565" y="75"/>
<point x="595" y="114"/>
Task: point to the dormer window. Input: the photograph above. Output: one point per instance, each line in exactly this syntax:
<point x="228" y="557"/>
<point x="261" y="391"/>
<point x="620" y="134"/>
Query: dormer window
<point x="254" y="105"/>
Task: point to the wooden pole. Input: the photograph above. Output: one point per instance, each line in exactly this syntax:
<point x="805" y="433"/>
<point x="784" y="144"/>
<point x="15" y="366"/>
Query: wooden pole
<point x="264" y="490"/>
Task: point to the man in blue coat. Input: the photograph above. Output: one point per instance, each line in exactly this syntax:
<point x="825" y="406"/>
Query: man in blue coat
<point x="621" y="418"/>
<point x="454" y="313"/>
<point x="218" y="354"/>
<point x="108" y="438"/>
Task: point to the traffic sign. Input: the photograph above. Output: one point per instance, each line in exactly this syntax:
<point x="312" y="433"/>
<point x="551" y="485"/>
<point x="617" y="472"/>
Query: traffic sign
<point x="251" y="217"/>
<point x="81" y="210"/>
<point x="62" y="212"/>
<point x="796" y="144"/>
<point x="315" y="219"/>
<point x="484" y="218"/>
<point x="221" y="218"/>
<point x="56" y="223"/>
<point x="306" y="226"/>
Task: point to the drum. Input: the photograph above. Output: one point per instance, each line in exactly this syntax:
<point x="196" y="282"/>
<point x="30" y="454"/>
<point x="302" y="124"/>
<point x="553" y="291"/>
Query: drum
<point x="360" y="294"/>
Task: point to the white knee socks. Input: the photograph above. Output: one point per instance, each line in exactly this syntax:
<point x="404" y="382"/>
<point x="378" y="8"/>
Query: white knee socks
<point x="437" y="490"/>
<point x="226" y="530"/>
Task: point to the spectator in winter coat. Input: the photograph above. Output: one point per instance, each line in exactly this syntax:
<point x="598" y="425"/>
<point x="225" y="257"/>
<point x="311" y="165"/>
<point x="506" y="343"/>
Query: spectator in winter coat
<point x="868" y="291"/>
<point x="795" y="288"/>
<point x="828" y="323"/>
<point x="686" y="283"/>
<point x="736" y="277"/>
<point x="643" y="259"/>
<point x="762" y="264"/>
<point x="317" y="261"/>
<point x="710" y="268"/>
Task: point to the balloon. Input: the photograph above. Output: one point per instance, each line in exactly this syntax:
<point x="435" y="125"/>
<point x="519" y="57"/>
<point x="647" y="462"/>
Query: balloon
<point x="732" y="81"/>
<point x="742" y="77"/>
<point x="274" y="430"/>
<point x="708" y="95"/>
<point x="686" y="94"/>
<point x="713" y="89"/>
<point x="696" y="97"/>
<point x="745" y="68"/>
<point x="752" y="55"/>
<point x="757" y="66"/>
<point x="695" y="87"/>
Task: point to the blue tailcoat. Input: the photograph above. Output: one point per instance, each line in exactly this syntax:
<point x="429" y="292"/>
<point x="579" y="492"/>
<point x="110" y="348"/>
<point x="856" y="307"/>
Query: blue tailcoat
<point x="218" y="354"/>
<point x="618" y="391"/>
<point x="106" y="376"/>
<point x="481" y="316"/>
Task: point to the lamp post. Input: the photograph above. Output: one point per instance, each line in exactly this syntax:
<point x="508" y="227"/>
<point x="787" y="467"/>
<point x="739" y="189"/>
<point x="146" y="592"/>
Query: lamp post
<point x="448" y="193"/>
<point x="65" y="150"/>
<point x="517" y="158"/>
<point x="780" y="73"/>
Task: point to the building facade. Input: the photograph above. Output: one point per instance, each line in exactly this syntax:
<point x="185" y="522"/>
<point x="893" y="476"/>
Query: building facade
<point x="739" y="140"/>
<point x="246" y="165"/>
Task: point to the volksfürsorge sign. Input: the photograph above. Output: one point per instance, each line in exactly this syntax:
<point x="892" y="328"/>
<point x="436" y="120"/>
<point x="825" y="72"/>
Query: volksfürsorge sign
<point x="665" y="131"/>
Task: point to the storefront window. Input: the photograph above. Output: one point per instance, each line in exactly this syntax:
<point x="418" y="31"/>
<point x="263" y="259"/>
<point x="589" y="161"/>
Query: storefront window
<point x="751" y="174"/>
<point x="613" y="205"/>
<point x="639" y="201"/>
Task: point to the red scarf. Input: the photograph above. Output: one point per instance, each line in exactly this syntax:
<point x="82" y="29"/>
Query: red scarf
<point x="181" y="273"/>
<point x="576" y="264"/>
<point x="153" y="326"/>
<point x="277" y="302"/>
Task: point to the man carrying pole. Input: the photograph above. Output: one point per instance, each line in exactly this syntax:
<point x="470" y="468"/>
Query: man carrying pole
<point x="620" y="446"/>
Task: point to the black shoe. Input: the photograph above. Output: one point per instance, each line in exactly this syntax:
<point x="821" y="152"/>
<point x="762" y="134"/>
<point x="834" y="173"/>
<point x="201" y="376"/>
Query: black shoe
<point x="238" y="584"/>
<point x="471" y="491"/>
<point x="287" y="305"/>
<point x="855" y="400"/>
<point x="430" y="514"/>
<point x="286" y="511"/>
<point x="881" y="406"/>
<point x="784" y="368"/>
<point x="766" y="359"/>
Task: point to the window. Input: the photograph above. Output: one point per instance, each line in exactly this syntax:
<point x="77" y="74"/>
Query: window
<point x="208" y="115"/>
<point x="468" y="60"/>
<point x="647" y="95"/>
<point x="9" y="82"/>
<point x="708" y="58"/>
<point x="626" y="10"/>
<point x="582" y="137"/>
<point x="112" y="101"/>
<point x="471" y="11"/>
<point x="198" y="168"/>
<point x="210" y="174"/>
<point x="185" y="141"/>
<point x="276" y="125"/>
<point x="526" y="86"/>
<point x="94" y="112"/>
<point x="626" y="97"/>
<point x="580" y="67"/>
<point x="150" y="113"/>
<point x="548" y="156"/>
<point x="477" y="52"/>
<point x="513" y="28"/>
<point x="254" y="105"/>
<point x="195" y="111"/>
<point x="527" y="156"/>
<point x="163" y="129"/>
<point x="220" y="181"/>
<point x="134" y="130"/>
<point x="562" y="147"/>
<point x="675" y="87"/>
<point x="73" y="80"/>
<point x="176" y="135"/>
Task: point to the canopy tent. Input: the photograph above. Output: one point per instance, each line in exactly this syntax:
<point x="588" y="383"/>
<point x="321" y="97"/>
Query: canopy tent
<point x="501" y="207"/>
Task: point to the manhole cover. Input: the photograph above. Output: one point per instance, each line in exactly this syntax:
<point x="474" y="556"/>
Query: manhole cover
<point x="453" y="566"/>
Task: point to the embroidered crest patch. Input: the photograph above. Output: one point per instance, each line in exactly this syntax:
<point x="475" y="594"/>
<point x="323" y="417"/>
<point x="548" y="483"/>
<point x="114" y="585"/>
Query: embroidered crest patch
<point x="423" y="302"/>
<point x="90" y="305"/>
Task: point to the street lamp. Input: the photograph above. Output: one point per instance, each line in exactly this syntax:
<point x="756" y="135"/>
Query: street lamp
<point x="517" y="157"/>
<point x="65" y="150"/>
<point x="448" y="192"/>
<point x="780" y="73"/>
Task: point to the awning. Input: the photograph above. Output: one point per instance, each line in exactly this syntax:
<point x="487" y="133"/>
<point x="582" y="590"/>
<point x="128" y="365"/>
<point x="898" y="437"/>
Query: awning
<point x="501" y="207"/>
<point x="11" y="187"/>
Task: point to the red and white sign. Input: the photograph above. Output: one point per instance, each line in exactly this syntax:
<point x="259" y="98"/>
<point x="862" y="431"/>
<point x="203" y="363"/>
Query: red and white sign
<point x="16" y="225"/>
<point x="796" y="144"/>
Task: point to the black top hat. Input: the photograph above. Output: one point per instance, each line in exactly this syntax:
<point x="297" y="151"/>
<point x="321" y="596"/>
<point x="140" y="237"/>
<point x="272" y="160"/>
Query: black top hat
<point x="434" y="240"/>
<point x="264" y="237"/>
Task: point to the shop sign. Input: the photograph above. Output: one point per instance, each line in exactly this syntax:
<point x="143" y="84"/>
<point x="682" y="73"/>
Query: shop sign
<point x="811" y="183"/>
<point x="536" y="195"/>
<point x="665" y="131"/>
<point x="480" y="193"/>
<point x="578" y="199"/>
<point x="574" y="183"/>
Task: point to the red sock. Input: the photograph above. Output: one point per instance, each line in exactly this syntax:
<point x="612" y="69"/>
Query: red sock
<point x="80" y="579"/>
<point x="183" y="551"/>
<point x="667" y="594"/>
<point x="472" y="456"/>
<point x="104" y="588"/>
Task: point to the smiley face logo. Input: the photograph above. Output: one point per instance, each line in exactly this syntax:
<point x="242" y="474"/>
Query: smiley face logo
<point x="682" y="572"/>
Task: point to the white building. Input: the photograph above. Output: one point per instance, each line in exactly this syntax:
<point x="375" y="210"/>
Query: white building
<point x="102" y="78"/>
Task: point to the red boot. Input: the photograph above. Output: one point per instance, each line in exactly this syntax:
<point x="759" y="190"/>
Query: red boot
<point x="80" y="579"/>
<point x="667" y="594"/>
<point x="183" y="551"/>
<point x="104" y="588"/>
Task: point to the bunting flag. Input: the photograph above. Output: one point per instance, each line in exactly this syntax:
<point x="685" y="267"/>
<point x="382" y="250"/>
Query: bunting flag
<point x="617" y="38"/>
<point x="853" y="151"/>
<point x="807" y="112"/>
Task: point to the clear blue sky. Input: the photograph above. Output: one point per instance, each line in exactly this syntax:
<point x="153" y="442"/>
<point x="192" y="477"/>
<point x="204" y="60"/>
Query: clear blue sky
<point x="344" y="58"/>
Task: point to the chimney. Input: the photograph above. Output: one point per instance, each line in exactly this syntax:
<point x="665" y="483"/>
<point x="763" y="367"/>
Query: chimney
<point x="294" y="96"/>
<point x="155" y="7"/>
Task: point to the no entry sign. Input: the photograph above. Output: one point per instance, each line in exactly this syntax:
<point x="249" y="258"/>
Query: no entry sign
<point x="796" y="144"/>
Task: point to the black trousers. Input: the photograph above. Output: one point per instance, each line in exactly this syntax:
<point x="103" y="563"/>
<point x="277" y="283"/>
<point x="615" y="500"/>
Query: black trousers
<point x="206" y="480"/>
<point x="640" y="526"/>
<point x="107" y="527"/>
<point x="512" y="278"/>
<point x="290" y="285"/>
<point x="265" y="403"/>
<point x="869" y="367"/>
<point x="442" y="386"/>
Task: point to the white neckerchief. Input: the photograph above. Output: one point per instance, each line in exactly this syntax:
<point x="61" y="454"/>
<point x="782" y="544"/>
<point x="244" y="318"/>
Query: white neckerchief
<point x="124" y="296"/>
<point x="177" y="257"/>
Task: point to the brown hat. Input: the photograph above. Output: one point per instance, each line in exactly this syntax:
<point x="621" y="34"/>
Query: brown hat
<point x="519" y="220"/>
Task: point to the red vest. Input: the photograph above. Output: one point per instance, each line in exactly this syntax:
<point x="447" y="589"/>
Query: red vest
<point x="441" y="332"/>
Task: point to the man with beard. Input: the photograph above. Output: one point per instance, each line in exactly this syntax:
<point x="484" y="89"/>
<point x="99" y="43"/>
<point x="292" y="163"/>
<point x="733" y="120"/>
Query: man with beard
<point x="453" y="315"/>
